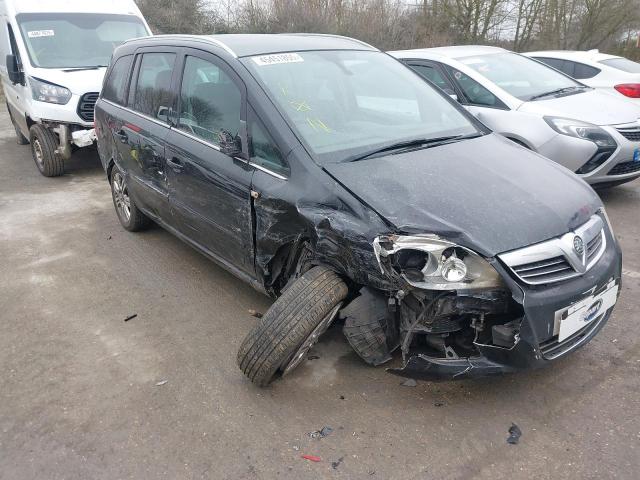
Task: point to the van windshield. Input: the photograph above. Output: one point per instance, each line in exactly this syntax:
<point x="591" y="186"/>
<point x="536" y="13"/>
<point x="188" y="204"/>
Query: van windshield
<point x="343" y="104"/>
<point x="76" y="40"/>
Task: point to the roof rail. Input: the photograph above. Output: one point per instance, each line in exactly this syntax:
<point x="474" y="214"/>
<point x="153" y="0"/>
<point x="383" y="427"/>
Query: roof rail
<point x="333" y="36"/>
<point x="201" y="38"/>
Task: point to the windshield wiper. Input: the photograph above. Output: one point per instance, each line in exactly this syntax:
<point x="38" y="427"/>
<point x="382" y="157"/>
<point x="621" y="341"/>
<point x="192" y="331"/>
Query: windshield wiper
<point x="557" y="91"/>
<point x="77" y="69"/>
<point x="411" y="145"/>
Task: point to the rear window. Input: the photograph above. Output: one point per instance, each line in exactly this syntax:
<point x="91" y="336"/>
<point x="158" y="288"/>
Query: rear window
<point x="116" y="84"/>
<point x="152" y="95"/>
<point x="622" y="64"/>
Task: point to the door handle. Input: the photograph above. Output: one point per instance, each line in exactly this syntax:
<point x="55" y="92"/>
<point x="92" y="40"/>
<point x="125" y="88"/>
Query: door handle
<point x="175" y="164"/>
<point x="122" y="135"/>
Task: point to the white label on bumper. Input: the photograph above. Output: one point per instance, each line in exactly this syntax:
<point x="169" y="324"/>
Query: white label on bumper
<point x="578" y="315"/>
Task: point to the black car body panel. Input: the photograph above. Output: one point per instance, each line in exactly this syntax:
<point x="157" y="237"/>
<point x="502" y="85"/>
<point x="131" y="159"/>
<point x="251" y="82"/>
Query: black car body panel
<point x="485" y="194"/>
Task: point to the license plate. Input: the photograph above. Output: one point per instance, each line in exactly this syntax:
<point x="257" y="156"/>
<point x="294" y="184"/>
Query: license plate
<point x="636" y="155"/>
<point x="571" y="319"/>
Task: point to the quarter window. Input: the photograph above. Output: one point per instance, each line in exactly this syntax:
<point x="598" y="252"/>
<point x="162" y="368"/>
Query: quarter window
<point x="476" y="93"/>
<point x="153" y="88"/>
<point x="116" y="85"/>
<point x="209" y="101"/>
<point x="264" y="151"/>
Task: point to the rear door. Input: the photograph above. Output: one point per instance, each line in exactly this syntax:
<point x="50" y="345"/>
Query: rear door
<point x="143" y="127"/>
<point x="210" y="192"/>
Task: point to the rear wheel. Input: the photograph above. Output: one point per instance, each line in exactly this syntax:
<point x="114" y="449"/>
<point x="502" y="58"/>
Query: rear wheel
<point x="131" y="218"/>
<point x="44" y="144"/>
<point x="293" y="324"/>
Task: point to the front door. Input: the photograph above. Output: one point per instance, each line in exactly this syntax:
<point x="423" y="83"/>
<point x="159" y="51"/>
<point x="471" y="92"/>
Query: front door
<point x="17" y="95"/>
<point x="210" y="192"/>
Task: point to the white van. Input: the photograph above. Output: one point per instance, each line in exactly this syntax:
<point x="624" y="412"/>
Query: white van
<point x="56" y="55"/>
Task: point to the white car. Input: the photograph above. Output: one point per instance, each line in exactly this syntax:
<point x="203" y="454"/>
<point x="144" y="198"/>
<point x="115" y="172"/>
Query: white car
<point x="591" y="133"/>
<point x="56" y="56"/>
<point x="612" y="74"/>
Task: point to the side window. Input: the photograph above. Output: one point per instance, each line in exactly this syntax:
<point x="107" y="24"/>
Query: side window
<point x="115" y="86"/>
<point x="209" y="101"/>
<point x="582" y="71"/>
<point x="152" y="93"/>
<point x="556" y="63"/>
<point x="431" y="73"/>
<point x="264" y="151"/>
<point x="476" y="94"/>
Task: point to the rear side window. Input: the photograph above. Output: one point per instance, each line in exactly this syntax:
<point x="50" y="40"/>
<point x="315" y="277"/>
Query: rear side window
<point x="209" y="101"/>
<point x="576" y="70"/>
<point x="152" y="94"/>
<point x="582" y="71"/>
<point x="556" y="63"/>
<point x="115" y="87"/>
<point x="623" y="64"/>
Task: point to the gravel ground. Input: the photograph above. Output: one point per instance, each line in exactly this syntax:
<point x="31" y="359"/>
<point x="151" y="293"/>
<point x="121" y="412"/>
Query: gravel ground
<point x="79" y="393"/>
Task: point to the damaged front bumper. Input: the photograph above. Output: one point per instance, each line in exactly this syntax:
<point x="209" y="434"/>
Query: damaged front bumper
<point x="535" y="341"/>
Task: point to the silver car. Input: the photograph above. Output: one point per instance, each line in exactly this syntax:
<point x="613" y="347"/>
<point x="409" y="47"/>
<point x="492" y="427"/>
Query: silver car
<point x="591" y="133"/>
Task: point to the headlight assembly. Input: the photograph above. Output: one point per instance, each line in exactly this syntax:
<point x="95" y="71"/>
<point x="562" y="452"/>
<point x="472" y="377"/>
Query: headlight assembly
<point x="49" y="92"/>
<point x="430" y="263"/>
<point x="578" y="129"/>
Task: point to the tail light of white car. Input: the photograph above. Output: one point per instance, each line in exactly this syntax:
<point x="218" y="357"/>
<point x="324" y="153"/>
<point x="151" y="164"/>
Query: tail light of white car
<point x="631" y="90"/>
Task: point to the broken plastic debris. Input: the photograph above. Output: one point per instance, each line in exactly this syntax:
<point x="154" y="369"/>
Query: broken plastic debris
<point x="255" y="313"/>
<point x="83" y="138"/>
<point x="337" y="463"/>
<point x="514" y="434"/>
<point x="312" y="458"/>
<point x="438" y="404"/>
<point x="161" y="382"/>
<point x="131" y="317"/>
<point x="409" y="382"/>
<point x="324" y="432"/>
<point x="313" y="357"/>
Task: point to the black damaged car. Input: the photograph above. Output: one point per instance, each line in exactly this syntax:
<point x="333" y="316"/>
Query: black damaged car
<point x="330" y="176"/>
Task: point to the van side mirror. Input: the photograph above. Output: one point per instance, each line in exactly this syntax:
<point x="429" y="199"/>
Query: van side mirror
<point x="229" y="145"/>
<point x="15" y="75"/>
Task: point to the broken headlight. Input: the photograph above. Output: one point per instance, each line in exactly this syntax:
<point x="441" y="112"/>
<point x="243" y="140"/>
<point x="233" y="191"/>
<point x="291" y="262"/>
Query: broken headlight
<point x="430" y="263"/>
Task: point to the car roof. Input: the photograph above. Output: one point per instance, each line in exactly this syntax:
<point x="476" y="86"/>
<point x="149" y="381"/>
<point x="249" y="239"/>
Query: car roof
<point x="458" y="51"/>
<point x="243" y="45"/>
<point x="585" y="56"/>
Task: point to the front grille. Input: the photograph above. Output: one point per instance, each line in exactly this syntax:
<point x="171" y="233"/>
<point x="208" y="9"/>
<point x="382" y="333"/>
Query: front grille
<point x="558" y="259"/>
<point x="544" y="271"/>
<point x="552" y="348"/>
<point x="630" y="133"/>
<point x="625" y="167"/>
<point x="86" y="105"/>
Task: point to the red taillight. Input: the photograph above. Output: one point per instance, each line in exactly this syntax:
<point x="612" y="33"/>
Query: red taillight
<point x="631" y="90"/>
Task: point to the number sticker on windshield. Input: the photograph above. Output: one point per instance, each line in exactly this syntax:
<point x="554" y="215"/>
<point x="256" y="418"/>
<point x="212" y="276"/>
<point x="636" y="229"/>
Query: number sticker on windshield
<point x="40" y="33"/>
<point x="276" y="58"/>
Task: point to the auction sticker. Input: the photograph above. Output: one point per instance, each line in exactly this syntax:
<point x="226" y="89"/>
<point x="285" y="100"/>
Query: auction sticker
<point x="40" y="33"/>
<point x="277" y="58"/>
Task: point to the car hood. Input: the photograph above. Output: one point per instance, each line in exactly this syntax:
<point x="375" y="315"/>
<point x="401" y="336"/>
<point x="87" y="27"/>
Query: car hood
<point x="592" y="106"/>
<point x="78" y="81"/>
<point x="487" y="194"/>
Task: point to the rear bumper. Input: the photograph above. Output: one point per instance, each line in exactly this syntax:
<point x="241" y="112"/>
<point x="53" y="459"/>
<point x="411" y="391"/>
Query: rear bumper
<point x="537" y="344"/>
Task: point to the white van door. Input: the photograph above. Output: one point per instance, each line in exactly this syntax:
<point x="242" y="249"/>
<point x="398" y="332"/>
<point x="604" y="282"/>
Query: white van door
<point x="18" y="94"/>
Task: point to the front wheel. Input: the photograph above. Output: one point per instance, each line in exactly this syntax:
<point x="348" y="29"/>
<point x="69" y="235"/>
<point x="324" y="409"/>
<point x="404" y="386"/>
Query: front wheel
<point x="293" y="324"/>
<point x="44" y="146"/>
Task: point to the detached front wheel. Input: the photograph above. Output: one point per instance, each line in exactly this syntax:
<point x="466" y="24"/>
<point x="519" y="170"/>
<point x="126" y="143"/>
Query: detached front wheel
<point x="285" y="334"/>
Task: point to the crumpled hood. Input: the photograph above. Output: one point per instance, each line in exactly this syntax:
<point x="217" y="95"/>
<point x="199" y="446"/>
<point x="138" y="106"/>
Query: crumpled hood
<point x="78" y="81"/>
<point x="592" y="106"/>
<point x="487" y="194"/>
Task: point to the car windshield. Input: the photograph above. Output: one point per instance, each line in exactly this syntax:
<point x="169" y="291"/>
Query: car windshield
<point x="622" y="64"/>
<point x="76" y="40"/>
<point x="346" y="103"/>
<point x="520" y="76"/>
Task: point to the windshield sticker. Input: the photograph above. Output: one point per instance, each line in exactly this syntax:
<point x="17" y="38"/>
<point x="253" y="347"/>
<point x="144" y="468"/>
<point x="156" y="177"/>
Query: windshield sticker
<point x="277" y="58"/>
<point x="41" y="33"/>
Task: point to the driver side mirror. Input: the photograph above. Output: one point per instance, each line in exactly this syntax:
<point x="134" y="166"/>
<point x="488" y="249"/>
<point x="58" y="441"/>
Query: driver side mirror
<point x="13" y="71"/>
<point x="229" y="145"/>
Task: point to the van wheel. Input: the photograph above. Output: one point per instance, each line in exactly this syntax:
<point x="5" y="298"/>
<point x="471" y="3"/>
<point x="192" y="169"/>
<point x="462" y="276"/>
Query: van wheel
<point x="293" y="324"/>
<point x="20" y="138"/>
<point x="131" y="218"/>
<point x="44" y="144"/>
